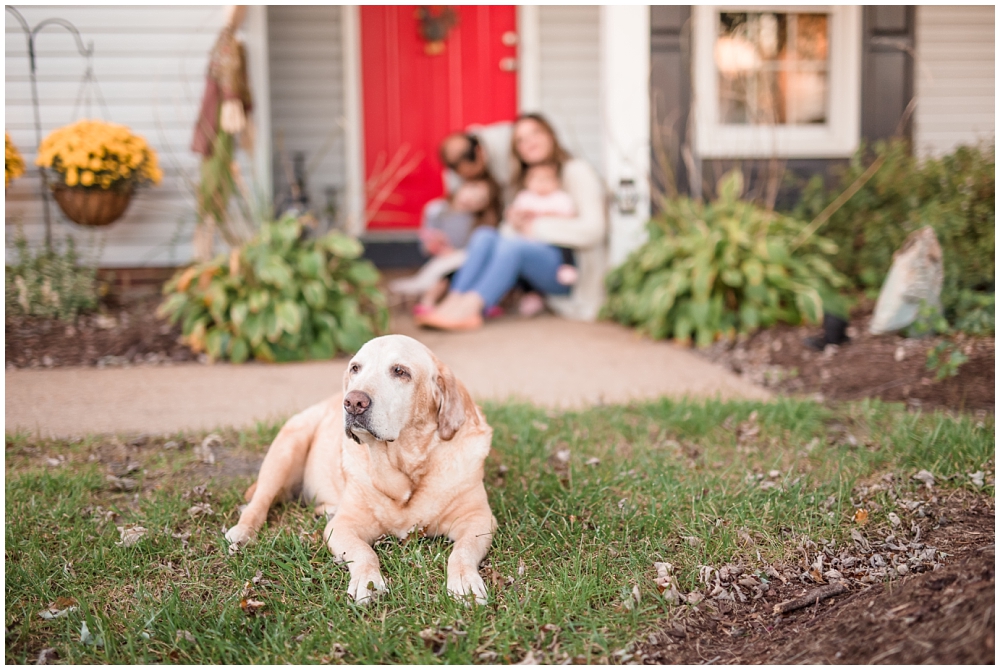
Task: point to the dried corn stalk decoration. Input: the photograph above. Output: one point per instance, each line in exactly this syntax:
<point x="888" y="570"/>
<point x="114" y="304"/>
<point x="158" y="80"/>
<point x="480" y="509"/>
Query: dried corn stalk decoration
<point x="223" y="116"/>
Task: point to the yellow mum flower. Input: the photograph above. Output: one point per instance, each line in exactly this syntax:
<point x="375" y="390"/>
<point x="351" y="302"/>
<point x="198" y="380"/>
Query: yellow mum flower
<point x="79" y="150"/>
<point x="13" y="163"/>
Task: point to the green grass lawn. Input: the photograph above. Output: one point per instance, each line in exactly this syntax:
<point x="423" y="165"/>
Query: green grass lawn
<point x="586" y="501"/>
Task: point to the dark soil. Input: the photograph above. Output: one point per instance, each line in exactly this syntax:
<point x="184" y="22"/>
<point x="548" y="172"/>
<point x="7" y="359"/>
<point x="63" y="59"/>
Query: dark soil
<point x="943" y="616"/>
<point x="125" y="331"/>
<point x="890" y="367"/>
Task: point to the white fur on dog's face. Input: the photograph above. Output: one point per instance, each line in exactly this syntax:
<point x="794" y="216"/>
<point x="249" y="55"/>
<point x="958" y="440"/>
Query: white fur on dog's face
<point x="399" y="374"/>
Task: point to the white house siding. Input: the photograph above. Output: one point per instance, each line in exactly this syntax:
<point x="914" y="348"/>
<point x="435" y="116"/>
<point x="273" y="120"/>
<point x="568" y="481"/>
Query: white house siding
<point x="570" y="73"/>
<point x="307" y="99"/>
<point x="150" y="65"/>
<point x="955" y="82"/>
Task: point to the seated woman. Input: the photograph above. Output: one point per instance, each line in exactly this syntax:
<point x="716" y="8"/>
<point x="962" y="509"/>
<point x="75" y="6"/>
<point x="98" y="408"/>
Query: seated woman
<point x="529" y="247"/>
<point x="474" y="178"/>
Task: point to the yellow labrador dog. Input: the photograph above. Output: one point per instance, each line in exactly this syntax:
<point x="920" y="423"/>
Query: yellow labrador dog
<point x="402" y="449"/>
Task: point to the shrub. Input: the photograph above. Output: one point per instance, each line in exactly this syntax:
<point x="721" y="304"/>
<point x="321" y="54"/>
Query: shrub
<point x="721" y="268"/>
<point x="280" y="297"/>
<point x="954" y="194"/>
<point x="51" y="284"/>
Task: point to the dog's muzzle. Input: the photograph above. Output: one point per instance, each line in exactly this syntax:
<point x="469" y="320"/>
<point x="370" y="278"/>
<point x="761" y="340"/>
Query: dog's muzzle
<point x="356" y="414"/>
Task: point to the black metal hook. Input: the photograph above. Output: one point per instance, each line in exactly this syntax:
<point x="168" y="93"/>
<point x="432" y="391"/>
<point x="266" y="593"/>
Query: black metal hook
<point x="87" y="52"/>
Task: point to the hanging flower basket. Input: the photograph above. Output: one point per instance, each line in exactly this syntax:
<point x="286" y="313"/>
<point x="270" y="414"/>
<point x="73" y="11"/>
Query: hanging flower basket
<point x="97" y="167"/>
<point x="89" y="206"/>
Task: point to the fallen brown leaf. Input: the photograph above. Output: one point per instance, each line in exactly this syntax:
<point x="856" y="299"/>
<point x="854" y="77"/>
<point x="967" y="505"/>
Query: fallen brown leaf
<point x="60" y="607"/>
<point x="47" y="656"/>
<point x="250" y="606"/>
<point x="130" y="535"/>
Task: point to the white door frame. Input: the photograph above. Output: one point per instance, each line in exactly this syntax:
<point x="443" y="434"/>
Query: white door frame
<point x="260" y="84"/>
<point x="354" y="130"/>
<point x="529" y="59"/>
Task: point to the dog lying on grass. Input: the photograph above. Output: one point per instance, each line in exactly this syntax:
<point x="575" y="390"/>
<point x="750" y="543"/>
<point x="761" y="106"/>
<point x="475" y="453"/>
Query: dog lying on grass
<point x="402" y="449"/>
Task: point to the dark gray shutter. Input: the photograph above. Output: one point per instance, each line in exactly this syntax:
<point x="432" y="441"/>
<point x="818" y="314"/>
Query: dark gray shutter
<point x="670" y="96"/>
<point x="887" y="67"/>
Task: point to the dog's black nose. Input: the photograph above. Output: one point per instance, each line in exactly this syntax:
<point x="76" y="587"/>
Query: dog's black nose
<point x="357" y="402"/>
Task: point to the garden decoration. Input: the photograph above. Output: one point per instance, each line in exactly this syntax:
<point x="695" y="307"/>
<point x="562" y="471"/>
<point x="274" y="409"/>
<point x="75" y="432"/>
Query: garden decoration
<point x="98" y="166"/>
<point x="915" y="278"/>
<point x="223" y="115"/>
<point x="13" y="163"/>
<point x="955" y="194"/>
<point x="433" y="25"/>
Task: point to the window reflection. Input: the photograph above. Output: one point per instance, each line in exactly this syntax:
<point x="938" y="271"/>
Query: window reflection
<point x="773" y="68"/>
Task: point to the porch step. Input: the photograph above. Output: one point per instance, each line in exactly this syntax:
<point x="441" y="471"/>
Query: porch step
<point x="393" y="249"/>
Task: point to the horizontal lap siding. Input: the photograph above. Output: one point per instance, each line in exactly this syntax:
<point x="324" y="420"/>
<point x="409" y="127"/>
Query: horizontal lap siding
<point x="570" y="77"/>
<point x="307" y="98"/>
<point x="150" y="66"/>
<point x="955" y="75"/>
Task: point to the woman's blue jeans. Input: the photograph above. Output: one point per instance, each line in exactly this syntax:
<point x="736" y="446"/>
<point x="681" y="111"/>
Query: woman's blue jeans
<point x="495" y="263"/>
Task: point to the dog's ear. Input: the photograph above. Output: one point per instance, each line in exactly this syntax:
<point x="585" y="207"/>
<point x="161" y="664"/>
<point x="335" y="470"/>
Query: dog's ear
<point x="453" y="405"/>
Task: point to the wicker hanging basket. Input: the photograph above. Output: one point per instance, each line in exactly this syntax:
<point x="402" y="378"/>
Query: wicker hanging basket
<point x="91" y="207"/>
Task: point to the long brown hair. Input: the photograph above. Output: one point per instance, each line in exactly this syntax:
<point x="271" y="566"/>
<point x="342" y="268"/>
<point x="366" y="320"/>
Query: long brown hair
<point x="558" y="157"/>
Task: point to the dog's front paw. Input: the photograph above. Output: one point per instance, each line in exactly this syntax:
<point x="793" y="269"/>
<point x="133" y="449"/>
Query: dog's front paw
<point x="366" y="585"/>
<point x="464" y="581"/>
<point x="239" y="536"/>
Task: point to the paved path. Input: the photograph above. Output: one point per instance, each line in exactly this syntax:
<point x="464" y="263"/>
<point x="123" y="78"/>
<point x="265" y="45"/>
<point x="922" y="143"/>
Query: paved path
<point x="548" y="361"/>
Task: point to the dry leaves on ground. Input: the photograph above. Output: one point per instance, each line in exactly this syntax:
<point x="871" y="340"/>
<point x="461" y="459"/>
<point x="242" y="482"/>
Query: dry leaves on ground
<point x="130" y="535"/>
<point x="59" y="608"/>
<point x="205" y="452"/>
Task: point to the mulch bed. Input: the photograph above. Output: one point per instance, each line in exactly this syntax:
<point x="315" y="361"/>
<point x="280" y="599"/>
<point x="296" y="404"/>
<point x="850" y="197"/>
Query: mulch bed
<point x="890" y="367"/>
<point x="942" y="616"/>
<point x="126" y="331"/>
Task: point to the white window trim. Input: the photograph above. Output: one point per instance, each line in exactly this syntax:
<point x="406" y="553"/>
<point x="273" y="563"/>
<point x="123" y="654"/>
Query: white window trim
<point x="837" y="138"/>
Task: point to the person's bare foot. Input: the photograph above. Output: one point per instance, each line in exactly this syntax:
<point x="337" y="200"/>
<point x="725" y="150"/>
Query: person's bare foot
<point x="567" y="275"/>
<point x="457" y="312"/>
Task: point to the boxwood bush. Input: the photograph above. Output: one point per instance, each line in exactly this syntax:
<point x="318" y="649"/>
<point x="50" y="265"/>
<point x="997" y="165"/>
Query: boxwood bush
<point x="954" y="194"/>
<point x="710" y="270"/>
<point x="281" y="297"/>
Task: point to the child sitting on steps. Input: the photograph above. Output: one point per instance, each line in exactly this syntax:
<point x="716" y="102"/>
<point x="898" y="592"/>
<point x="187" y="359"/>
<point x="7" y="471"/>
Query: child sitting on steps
<point x="543" y="196"/>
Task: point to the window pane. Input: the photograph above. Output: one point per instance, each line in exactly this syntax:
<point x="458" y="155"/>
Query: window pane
<point x="773" y="67"/>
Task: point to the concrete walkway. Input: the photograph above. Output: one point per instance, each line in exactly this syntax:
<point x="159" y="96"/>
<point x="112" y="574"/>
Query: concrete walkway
<point x="546" y="360"/>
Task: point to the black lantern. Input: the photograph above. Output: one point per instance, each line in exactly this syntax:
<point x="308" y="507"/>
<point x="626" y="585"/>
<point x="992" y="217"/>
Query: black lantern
<point x="627" y="196"/>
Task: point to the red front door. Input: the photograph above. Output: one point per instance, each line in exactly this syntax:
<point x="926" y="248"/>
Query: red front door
<point x="417" y="89"/>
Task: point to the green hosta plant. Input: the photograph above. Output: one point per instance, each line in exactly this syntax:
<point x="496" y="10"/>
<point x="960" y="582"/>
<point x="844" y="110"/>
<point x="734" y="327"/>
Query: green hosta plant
<point x="280" y="297"/>
<point x="716" y="269"/>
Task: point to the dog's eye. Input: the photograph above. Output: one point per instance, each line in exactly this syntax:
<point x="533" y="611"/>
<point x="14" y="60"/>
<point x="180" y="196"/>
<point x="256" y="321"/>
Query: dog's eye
<point x="400" y="371"/>
<point x="354" y="368"/>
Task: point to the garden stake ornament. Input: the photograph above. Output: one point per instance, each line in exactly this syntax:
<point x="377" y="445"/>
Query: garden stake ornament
<point x="224" y="109"/>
